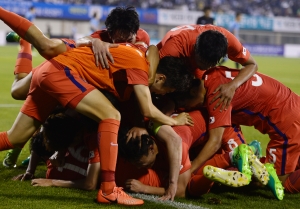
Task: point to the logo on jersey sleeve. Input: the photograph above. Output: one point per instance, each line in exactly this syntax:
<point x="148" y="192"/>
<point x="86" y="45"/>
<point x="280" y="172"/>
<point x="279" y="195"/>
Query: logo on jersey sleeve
<point x="91" y="154"/>
<point x="211" y="120"/>
<point x="244" y="51"/>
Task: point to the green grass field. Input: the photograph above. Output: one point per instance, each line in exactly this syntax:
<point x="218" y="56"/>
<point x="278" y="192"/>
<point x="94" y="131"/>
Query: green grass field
<point x="23" y="195"/>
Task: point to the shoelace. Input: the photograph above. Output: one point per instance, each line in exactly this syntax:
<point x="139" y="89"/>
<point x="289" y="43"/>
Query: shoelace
<point x="120" y="192"/>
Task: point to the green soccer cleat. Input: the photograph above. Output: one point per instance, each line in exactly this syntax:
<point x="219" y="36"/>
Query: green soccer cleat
<point x="11" y="158"/>
<point x="240" y="158"/>
<point x="256" y="148"/>
<point x="12" y="37"/>
<point x="274" y="183"/>
<point x="226" y="177"/>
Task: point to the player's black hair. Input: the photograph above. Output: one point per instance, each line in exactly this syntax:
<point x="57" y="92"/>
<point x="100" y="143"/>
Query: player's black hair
<point x="37" y="145"/>
<point x="123" y="19"/>
<point x="177" y="73"/>
<point x="211" y="46"/>
<point x="206" y="8"/>
<point x="134" y="149"/>
<point x="60" y="131"/>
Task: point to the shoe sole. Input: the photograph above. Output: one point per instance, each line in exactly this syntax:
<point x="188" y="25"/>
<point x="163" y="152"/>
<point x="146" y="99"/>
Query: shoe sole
<point x="258" y="169"/>
<point x="229" y="178"/>
<point x="274" y="183"/>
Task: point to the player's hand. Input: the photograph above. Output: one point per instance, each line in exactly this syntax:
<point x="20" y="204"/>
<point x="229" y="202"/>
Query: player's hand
<point x="136" y="132"/>
<point x="42" y="182"/>
<point x="57" y="159"/>
<point x="101" y="52"/>
<point x="170" y="192"/>
<point x="183" y="118"/>
<point x="134" y="185"/>
<point x="23" y="177"/>
<point x="225" y="95"/>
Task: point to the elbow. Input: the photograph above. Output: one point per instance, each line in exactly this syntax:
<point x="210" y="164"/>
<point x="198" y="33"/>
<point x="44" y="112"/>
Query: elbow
<point x="17" y="95"/>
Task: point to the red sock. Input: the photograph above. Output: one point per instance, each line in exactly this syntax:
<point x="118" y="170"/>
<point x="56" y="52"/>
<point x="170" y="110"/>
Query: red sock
<point x="4" y="142"/>
<point x="199" y="184"/>
<point x="24" y="59"/>
<point x="17" y="23"/>
<point x="108" y="147"/>
<point x="292" y="183"/>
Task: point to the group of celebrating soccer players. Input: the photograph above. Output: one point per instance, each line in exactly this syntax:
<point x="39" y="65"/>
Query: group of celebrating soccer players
<point x="110" y="110"/>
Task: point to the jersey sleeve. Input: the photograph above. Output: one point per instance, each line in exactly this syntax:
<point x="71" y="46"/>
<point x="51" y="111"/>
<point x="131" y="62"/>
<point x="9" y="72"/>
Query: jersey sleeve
<point x="137" y="77"/>
<point x="216" y="118"/>
<point x="236" y="51"/>
<point x="94" y="156"/>
<point x="172" y="47"/>
<point x="96" y="34"/>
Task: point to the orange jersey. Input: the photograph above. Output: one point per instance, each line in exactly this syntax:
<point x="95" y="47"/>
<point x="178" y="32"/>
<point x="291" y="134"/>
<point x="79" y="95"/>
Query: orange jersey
<point x="130" y="67"/>
<point x="180" y="41"/>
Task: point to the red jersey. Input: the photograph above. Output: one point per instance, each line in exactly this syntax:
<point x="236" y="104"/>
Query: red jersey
<point x="141" y="35"/>
<point x="262" y="102"/>
<point x="130" y="67"/>
<point x="76" y="160"/>
<point x="180" y="41"/>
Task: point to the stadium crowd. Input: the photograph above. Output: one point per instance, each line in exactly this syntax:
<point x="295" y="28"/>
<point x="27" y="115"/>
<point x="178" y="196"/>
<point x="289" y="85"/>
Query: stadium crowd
<point x="270" y="8"/>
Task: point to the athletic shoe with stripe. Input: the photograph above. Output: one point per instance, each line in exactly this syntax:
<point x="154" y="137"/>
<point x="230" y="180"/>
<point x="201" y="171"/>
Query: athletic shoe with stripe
<point x="274" y="183"/>
<point x="256" y="148"/>
<point x="226" y="177"/>
<point x="258" y="169"/>
<point x="118" y="196"/>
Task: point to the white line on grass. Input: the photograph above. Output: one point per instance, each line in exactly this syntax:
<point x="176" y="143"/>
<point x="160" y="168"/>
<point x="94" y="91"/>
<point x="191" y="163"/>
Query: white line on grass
<point x="175" y="204"/>
<point x="9" y="105"/>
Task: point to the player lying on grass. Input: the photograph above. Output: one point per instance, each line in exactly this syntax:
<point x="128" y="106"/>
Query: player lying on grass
<point x="62" y="77"/>
<point x="203" y="46"/>
<point x="149" y="153"/>
<point x="270" y="107"/>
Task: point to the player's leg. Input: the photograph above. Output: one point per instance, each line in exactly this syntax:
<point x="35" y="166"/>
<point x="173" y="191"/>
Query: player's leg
<point x="48" y="48"/>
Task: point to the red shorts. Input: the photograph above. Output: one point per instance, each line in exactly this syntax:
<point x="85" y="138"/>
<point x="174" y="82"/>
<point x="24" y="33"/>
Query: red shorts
<point x="53" y="84"/>
<point x="232" y="137"/>
<point x="284" y="149"/>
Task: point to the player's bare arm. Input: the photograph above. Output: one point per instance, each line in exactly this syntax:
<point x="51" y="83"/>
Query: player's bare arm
<point x="211" y="147"/>
<point x="143" y="95"/>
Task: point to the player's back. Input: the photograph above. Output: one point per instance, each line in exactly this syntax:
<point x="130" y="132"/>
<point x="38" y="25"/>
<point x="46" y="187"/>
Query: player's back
<point x="82" y="60"/>
<point x="260" y="99"/>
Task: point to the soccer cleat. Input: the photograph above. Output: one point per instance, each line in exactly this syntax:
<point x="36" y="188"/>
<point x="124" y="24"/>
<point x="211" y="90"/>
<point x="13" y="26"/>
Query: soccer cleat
<point x="12" y="37"/>
<point x="118" y="196"/>
<point x="258" y="169"/>
<point x="11" y="157"/>
<point x="256" y="148"/>
<point x="274" y="183"/>
<point x="26" y="161"/>
<point x="241" y="161"/>
<point x="226" y="177"/>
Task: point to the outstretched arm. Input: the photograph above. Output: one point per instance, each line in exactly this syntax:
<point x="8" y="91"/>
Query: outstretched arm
<point x="29" y="174"/>
<point x="150" y="111"/>
<point x="88" y="183"/>
<point x="136" y="186"/>
<point x="172" y="140"/>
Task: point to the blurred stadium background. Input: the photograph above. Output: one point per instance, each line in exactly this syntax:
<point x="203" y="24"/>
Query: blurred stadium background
<point x="268" y="27"/>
